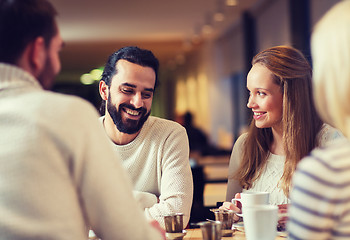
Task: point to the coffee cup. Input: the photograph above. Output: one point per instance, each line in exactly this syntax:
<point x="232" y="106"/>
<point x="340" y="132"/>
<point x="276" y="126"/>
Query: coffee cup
<point x="174" y="223"/>
<point x="260" y="222"/>
<point x="211" y="230"/>
<point x="226" y="219"/>
<point x="251" y="199"/>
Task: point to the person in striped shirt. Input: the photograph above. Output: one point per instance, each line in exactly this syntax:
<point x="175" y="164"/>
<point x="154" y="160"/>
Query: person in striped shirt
<point x="320" y="197"/>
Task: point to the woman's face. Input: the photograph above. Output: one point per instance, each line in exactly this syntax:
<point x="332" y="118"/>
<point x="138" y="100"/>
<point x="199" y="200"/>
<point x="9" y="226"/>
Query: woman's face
<point x="266" y="99"/>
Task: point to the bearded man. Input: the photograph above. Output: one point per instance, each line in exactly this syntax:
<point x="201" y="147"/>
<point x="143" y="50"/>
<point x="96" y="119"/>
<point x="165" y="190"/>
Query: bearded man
<point x="154" y="151"/>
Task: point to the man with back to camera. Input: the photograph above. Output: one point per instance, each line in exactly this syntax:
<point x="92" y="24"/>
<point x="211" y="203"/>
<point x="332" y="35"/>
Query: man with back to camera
<point x="58" y="174"/>
<point x="154" y="151"/>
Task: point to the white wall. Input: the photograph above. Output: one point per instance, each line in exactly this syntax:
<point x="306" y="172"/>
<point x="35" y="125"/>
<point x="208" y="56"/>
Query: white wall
<point x="228" y="60"/>
<point x="273" y="25"/>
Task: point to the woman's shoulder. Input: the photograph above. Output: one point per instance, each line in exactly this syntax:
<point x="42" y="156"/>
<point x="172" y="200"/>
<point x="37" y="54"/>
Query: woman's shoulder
<point x="328" y="134"/>
<point x="241" y="139"/>
<point x="238" y="146"/>
<point x="332" y="159"/>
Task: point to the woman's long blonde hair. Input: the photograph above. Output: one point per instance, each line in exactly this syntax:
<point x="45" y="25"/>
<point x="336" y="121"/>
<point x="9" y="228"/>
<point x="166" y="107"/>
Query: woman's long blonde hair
<point x="330" y="45"/>
<point x="301" y="124"/>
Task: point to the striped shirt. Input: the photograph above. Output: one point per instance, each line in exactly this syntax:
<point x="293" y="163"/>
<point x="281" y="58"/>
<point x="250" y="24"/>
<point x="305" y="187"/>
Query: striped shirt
<point x="320" y="198"/>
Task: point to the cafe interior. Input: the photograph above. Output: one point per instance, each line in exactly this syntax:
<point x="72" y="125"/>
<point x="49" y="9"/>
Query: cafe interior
<point x="205" y="49"/>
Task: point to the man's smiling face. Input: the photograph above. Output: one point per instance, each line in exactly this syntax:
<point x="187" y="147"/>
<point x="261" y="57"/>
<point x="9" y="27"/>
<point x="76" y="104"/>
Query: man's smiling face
<point x="130" y="96"/>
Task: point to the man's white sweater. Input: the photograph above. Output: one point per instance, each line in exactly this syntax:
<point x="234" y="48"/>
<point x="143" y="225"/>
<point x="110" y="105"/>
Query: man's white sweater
<point x="157" y="161"/>
<point x="58" y="174"/>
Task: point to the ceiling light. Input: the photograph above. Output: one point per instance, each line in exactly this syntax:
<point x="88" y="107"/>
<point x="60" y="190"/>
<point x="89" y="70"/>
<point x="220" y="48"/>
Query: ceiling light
<point x="207" y="29"/>
<point x="219" y="14"/>
<point x="231" y="2"/>
<point x="219" y="17"/>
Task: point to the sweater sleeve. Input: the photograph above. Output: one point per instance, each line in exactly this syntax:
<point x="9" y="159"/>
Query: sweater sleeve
<point x="176" y="185"/>
<point x="233" y="185"/>
<point x="320" y="196"/>
<point x="145" y="199"/>
<point x="328" y="134"/>
<point x="311" y="216"/>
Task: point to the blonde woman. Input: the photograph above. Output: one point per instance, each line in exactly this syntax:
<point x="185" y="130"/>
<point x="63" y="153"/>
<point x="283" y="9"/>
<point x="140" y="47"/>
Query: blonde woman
<point x="320" y="198"/>
<point x="285" y="126"/>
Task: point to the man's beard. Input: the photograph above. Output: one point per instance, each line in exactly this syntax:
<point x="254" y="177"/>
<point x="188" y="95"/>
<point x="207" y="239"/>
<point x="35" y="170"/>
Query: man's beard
<point x="130" y="126"/>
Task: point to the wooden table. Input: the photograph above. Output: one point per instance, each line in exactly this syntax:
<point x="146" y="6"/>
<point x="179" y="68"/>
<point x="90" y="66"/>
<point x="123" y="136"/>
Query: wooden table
<point x="196" y="234"/>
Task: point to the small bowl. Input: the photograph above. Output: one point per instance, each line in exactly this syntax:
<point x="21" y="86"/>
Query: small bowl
<point x="177" y="236"/>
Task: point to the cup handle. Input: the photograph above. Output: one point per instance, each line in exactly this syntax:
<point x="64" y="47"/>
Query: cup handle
<point x="239" y="200"/>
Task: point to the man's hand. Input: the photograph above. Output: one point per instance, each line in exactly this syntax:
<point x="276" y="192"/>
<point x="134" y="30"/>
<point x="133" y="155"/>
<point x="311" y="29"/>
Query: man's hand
<point x="156" y="225"/>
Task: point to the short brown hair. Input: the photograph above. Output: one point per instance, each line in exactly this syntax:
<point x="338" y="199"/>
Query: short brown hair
<point x="21" y="22"/>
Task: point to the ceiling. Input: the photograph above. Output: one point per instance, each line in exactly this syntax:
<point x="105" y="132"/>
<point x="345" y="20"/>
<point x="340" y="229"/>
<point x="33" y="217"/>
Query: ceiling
<point x="94" y="29"/>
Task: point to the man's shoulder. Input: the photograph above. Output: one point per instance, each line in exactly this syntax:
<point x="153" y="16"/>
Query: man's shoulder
<point x="161" y="128"/>
<point x="64" y="100"/>
<point x="61" y="106"/>
<point x="165" y="124"/>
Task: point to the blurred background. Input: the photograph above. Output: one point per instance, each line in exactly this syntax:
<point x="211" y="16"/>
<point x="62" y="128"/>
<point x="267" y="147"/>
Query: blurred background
<point x="204" y="46"/>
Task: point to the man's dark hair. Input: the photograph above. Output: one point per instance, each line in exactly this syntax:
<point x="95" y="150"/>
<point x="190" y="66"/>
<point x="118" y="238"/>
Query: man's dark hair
<point x="142" y="57"/>
<point x="21" y="22"/>
<point x="131" y="54"/>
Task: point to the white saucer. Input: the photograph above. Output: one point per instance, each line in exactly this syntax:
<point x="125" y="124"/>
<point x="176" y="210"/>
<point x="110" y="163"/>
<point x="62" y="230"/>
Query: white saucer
<point x="239" y="226"/>
<point x="174" y="236"/>
<point x="282" y="234"/>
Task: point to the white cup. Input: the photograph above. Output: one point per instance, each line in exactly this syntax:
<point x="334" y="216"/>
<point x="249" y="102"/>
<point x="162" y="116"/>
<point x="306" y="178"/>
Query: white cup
<point x="260" y="222"/>
<point x="251" y="199"/>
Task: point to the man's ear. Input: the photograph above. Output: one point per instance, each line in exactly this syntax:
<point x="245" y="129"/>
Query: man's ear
<point x="33" y="57"/>
<point x="37" y="55"/>
<point x="103" y="88"/>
